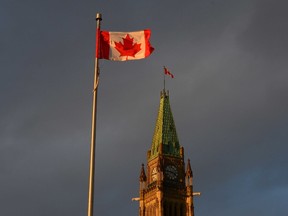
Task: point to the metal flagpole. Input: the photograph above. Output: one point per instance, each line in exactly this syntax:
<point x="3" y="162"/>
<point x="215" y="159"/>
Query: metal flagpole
<point x="93" y="128"/>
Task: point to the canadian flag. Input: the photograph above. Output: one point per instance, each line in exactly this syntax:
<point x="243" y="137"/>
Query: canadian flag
<point x="167" y="72"/>
<point x="123" y="46"/>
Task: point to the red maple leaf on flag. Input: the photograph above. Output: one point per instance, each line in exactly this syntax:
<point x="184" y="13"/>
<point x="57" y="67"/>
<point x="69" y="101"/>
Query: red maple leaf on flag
<point x="127" y="48"/>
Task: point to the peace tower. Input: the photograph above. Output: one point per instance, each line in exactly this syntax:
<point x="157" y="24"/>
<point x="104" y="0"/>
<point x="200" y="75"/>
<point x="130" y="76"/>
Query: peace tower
<point x="167" y="189"/>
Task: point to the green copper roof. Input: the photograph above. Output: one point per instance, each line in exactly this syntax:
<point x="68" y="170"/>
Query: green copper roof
<point x="165" y="138"/>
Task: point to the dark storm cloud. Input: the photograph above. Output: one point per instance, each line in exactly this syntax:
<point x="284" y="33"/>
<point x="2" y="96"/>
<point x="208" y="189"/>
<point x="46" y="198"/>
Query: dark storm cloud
<point x="229" y="100"/>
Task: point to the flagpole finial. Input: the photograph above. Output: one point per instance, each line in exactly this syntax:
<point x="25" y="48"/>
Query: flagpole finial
<point x="98" y="16"/>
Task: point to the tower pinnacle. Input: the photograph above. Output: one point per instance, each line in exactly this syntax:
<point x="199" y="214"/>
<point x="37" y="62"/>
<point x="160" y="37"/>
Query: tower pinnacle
<point x="142" y="176"/>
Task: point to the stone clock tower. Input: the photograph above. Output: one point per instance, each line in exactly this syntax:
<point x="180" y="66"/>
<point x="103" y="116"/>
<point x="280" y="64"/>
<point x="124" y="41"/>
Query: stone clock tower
<point x="167" y="188"/>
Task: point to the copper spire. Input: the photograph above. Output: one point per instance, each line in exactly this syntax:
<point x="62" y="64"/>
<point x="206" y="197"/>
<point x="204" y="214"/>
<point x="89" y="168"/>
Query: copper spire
<point x="165" y="140"/>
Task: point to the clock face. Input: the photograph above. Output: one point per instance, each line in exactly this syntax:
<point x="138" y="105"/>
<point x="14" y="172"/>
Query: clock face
<point x="171" y="172"/>
<point x="154" y="174"/>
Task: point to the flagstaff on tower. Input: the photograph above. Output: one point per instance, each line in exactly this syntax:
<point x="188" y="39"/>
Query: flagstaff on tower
<point x="166" y="72"/>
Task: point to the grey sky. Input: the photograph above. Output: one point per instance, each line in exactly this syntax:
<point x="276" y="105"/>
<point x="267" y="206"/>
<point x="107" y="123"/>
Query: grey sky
<point x="229" y="99"/>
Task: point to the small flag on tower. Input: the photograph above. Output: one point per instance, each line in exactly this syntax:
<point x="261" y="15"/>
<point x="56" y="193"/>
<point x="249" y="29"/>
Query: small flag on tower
<point x="123" y="46"/>
<point x="167" y="72"/>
